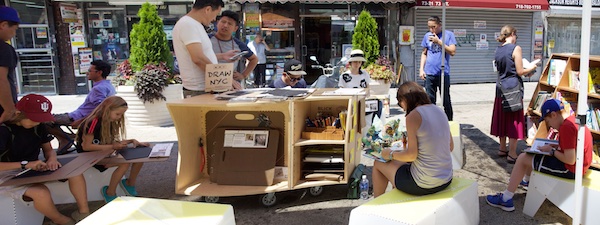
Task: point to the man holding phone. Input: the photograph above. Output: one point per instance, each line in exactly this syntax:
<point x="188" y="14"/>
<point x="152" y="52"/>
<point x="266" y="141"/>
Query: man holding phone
<point x="258" y="46"/>
<point x="431" y="62"/>
<point x="223" y="41"/>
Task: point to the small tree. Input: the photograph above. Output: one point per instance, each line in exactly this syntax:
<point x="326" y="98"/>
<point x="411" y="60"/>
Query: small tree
<point x="148" y="40"/>
<point x="365" y="36"/>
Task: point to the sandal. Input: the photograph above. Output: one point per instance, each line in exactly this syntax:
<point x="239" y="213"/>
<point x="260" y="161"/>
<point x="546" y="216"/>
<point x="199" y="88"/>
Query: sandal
<point x="502" y="153"/>
<point x="510" y="159"/>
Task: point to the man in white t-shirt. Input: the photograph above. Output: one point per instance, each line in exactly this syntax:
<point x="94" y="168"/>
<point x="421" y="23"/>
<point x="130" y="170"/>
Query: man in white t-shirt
<point x="192" y="45"/>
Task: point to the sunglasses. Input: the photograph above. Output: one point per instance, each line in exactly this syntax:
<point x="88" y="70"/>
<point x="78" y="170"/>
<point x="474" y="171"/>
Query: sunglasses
<point x="294" y="79"/>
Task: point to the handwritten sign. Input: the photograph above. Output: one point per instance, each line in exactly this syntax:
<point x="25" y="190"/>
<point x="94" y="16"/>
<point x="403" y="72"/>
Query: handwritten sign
<point x="218" y="77"/>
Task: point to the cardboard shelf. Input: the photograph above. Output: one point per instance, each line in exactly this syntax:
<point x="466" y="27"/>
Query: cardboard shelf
<point x="305" y="142"/>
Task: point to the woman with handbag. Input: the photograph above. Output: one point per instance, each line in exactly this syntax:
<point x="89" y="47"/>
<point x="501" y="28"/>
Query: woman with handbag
<point x="507" y="118"/>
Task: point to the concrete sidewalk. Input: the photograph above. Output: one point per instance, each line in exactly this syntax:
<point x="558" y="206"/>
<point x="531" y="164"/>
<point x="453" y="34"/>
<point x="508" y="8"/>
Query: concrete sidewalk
<point x="472" y="109"/>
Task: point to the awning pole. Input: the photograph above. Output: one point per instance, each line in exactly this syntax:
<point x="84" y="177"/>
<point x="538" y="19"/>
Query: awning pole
<point x="582" y="107"/>
<point x="443" y="51"/>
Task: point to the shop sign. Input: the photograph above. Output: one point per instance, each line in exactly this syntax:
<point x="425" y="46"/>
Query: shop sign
<point x="252" y="20"/>
<point x="577" y="3"/>
<point x="218" y="77"/>
<point x="278" y="23"/>
<point x="85" y="59"/>
<point x="68" y="13"/>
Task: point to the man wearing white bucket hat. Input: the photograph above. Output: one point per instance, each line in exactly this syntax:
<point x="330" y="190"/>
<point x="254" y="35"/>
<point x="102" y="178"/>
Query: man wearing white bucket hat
<point x="355" y="77"/>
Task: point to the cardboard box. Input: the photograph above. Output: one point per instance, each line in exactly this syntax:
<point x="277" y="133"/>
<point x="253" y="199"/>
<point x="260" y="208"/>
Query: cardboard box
<point x="319" y="133"/>
<point x="243" y="165"/>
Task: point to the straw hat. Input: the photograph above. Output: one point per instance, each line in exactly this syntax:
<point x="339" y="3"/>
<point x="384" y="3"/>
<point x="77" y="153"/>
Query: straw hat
<point x="357" y="55"/>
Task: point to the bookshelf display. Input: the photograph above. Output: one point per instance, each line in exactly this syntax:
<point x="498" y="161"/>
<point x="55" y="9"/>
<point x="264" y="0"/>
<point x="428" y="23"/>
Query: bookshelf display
<point x="559" y="80"/>
<point x="197" y="116"/>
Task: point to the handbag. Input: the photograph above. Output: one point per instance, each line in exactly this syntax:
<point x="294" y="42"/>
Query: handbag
<point x="512" y="98"/>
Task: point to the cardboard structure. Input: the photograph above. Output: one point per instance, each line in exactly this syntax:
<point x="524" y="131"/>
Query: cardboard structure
<point x="457" y="204"/>
<point x="134" y="210"/>
<point x="202" y="116"/>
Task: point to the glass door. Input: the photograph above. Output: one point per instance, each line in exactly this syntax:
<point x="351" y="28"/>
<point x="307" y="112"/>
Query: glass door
<point x="326" y="38"/>
<point x="109" y="36"/>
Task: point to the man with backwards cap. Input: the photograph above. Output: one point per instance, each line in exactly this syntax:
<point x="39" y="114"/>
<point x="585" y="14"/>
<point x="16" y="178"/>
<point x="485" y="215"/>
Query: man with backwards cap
<point x="9" y="22"/>
<point x="292" y="76"/>
<point x="560" y="160"/>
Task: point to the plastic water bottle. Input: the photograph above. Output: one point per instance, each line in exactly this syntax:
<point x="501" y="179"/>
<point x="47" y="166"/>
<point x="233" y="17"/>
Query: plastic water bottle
<point x="364" y="188"/>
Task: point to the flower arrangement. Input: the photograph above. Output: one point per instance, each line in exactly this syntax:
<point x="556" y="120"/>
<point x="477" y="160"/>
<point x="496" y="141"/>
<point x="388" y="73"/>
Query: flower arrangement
<point x="381" y="70"/>
<point x="151" y="81"/>
<point x="125" y="75"/>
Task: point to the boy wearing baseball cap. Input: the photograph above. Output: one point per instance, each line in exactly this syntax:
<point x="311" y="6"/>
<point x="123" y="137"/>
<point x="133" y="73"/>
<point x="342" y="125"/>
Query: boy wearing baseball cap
<point x="21" y="140"/>
<point x="9" y="22"/>
<point x="561" y="159"/>
<point x="293" y="76"/>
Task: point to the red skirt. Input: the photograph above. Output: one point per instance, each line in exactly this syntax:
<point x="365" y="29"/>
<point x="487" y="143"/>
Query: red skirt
<point x="507" y="124"/>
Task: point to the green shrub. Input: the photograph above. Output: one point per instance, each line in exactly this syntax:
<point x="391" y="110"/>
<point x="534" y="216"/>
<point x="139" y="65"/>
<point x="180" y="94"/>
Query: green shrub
<point x="148" y="40"/>
<point x="365" y="37"/>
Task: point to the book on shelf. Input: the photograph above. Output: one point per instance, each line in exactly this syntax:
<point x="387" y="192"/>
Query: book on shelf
<point x="574" y="81"/>
<point x="541" y="97"/>
<point x="557" y="68"/>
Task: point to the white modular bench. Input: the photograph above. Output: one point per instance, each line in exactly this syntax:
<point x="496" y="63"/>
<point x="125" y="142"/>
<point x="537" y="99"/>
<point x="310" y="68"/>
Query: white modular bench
<point x="457" y="204"/>
<point x="458" y="154"/>
<point x="561" y="192"/>
<point x="134" y="210"/>
<point x="19" y="212"/>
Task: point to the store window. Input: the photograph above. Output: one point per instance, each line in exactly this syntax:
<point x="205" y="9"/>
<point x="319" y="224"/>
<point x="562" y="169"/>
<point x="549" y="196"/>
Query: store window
<point x="564" y="36"/>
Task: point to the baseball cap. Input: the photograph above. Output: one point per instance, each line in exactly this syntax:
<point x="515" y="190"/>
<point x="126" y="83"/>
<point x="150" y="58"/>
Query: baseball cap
<point x="36" y="108"/>
<point x="293" y="67"/>
<point x="551" y="105"/>
<point x="9" y="14"/>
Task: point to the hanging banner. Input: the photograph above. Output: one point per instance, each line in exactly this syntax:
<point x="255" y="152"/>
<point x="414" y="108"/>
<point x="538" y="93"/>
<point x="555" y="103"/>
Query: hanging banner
<point x="218" y="77"/>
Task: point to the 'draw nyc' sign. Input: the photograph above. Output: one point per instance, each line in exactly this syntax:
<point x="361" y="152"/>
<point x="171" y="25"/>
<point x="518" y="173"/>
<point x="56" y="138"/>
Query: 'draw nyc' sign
<point x="218" y="77"/>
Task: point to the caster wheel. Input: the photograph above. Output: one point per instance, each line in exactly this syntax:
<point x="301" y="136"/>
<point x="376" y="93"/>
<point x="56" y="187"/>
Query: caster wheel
<point x="268" y="200"/>
<point x="316" y="191"/>
<point x="211" y="199"/>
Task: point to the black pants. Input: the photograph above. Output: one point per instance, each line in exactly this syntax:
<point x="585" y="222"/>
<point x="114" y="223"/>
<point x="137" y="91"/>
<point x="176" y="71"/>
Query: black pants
<point x="432" y="85"/>
<point x="260" y="75"/>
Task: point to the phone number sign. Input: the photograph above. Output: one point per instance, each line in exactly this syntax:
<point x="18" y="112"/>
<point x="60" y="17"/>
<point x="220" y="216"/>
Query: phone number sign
<point x="509" y="4"/>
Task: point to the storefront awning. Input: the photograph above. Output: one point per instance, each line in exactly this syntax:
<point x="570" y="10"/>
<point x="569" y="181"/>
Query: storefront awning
<point x="530" y="5"/>
<point x="326" y="1"/>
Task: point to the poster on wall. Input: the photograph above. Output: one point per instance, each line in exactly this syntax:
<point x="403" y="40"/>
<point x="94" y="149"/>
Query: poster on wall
<point x="346" y="50"/>
<point x="460" y="32"/>
<point x="479" y="24"/>
<point x="41" y="32"/>
<point x="68" y="12"/>
<point x="85" y="60"/>
<point x="218" y="77"/>
<point x="407" y="35"/>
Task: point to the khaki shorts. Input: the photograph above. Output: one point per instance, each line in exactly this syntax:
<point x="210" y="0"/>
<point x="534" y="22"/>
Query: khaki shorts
<point x="15" y="192"/>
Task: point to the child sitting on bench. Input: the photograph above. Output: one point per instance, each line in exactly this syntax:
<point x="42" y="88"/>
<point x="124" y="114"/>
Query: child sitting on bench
<point x="104" y="129"/>
<point x="560" y="162"/>
<point x="20" y="143"/>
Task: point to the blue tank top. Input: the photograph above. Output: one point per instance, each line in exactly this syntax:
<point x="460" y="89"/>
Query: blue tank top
<point x="505" y="64"/>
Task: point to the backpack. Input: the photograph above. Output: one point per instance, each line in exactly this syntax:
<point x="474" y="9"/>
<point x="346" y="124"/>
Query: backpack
<point x="354" y="181"/>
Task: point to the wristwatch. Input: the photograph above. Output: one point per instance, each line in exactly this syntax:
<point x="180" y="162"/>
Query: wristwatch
<point x="23" y="164"/>
<point x="553" y="150"/>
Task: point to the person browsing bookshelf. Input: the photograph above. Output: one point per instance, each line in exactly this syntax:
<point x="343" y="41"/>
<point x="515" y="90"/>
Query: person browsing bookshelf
<point x="425" y="165"/>
<point x="507" y="115"/>
<point x="560" y="162"/>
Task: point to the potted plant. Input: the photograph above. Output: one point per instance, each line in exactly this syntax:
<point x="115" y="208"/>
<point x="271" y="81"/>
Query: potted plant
<point x="143" y="80"/>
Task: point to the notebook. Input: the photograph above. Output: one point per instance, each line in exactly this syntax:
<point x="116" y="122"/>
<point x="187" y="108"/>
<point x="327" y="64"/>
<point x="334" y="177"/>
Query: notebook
<point x="540" y="142"/>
